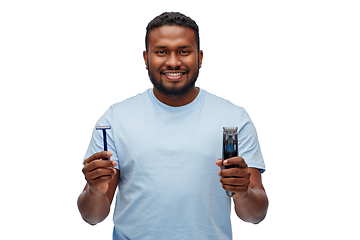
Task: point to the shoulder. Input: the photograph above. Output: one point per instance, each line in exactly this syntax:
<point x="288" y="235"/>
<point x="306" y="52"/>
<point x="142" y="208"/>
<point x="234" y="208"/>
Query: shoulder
<point x="132" y="102"/>
<point x="127" y="107"/>
<point x="219" y="102"/>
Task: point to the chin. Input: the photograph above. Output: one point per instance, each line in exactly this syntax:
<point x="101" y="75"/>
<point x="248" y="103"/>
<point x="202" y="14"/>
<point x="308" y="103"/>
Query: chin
<point x="174" y="90"/>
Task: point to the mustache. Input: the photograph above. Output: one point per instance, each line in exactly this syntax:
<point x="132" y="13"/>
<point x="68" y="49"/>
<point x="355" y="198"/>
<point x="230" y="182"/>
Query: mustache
<point x="175" y="69"/>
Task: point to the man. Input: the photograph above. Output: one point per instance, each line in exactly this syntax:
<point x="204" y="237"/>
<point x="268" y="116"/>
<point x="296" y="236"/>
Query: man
<point x="163" y="145"/>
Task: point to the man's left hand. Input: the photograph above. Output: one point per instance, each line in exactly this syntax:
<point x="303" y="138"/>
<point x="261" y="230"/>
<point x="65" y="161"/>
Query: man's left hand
<point x="235" y="180"/>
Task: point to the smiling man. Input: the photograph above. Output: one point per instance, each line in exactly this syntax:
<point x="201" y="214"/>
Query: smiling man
<point x="164" y="145"/>
<point x="173" y="61"/>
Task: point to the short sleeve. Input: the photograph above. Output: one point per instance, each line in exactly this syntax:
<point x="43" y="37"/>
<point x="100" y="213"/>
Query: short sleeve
<point x="249" y="147"/>
<point x="97" y="142"/>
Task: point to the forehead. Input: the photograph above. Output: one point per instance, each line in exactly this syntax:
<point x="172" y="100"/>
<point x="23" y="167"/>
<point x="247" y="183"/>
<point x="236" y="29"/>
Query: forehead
<point x="171" y="36"/>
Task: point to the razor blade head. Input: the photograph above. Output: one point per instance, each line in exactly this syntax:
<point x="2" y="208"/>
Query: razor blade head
<point x="230" y="131"/>
<point x="102" y="127"/>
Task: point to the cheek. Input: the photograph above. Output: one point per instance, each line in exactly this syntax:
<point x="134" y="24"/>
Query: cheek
<point x="192" y="63"/>
<point x="153" y="69"/>
<point x="155" y="63"/>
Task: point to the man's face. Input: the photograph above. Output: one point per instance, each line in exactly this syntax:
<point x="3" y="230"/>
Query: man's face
<point x="172" y="59"/>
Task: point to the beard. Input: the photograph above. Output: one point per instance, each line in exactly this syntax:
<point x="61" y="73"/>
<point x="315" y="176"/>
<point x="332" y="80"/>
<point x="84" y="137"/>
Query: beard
<point x="173" y="90"/>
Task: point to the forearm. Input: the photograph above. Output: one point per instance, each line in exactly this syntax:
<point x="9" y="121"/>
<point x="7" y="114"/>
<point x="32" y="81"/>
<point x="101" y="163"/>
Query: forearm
<point x="253" y="206"/>
<point x="93" y="208"/>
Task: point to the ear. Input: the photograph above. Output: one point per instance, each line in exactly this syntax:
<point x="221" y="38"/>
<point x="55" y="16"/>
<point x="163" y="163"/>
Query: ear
<point x="201" y="54"/>
<point x="145" y="55"/>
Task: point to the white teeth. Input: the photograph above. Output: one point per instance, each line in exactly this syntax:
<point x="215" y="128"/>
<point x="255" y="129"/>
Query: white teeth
<point x="173" y="74"/>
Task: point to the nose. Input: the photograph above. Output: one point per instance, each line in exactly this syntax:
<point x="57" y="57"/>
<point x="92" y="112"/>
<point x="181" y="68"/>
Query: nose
<point x="173" y="60"/>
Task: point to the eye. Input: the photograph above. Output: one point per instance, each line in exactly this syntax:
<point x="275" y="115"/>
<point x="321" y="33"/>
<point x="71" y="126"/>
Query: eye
<point x="161" y="52"/>
<point x="184" y="52"/>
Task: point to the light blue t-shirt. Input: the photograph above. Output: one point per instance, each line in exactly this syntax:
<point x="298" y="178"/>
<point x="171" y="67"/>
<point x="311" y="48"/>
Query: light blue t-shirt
<point x="169" y="185"/>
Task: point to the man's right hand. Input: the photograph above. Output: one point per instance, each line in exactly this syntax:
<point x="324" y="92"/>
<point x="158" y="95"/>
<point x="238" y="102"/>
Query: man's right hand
<point x="99" y="172"/>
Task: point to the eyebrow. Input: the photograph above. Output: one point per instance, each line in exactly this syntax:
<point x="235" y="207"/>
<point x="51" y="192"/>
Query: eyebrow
<point x="181" y="47"/>
<point x="187" y="46"/>
<point x="162" y="47"/>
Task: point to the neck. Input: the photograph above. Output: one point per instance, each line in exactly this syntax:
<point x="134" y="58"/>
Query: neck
<point x="177" y="100"/>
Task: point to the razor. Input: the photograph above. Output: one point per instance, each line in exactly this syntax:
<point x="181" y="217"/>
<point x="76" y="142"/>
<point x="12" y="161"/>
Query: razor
<point x="230" y="148"/>
<point x="104" y="128"/>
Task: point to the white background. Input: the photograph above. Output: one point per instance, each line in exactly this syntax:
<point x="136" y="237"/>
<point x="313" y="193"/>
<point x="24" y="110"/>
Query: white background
<point x="294" y="66"/>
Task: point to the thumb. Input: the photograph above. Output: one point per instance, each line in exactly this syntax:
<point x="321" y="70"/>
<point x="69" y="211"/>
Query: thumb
<point x="219" y="163"/>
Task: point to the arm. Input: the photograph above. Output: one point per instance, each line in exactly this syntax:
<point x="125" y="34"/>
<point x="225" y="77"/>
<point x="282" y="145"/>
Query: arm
<point x="253" y="206"/>
<point x="102" y="179"/>
<point x="250" y="199"/>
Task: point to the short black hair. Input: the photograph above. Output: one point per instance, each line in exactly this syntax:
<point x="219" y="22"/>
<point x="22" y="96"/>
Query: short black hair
<point x="172" y="19"/>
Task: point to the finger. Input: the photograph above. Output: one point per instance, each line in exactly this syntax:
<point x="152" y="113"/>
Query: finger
<point x="97" y="156"/>
<point x="235" y="189"/>
<point x="235" y="172"/>
<point x="230" y="172"/>
<point x="219" y="163"/>
<point x="234" y="181"/>
<point x="99" y="181"/>
<point x="98" y="164"/>
<point x="99" y="173"/>
<point x="239" y="161"/>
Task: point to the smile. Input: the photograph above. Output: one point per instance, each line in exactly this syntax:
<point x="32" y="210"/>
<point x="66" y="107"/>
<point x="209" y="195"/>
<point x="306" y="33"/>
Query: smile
<point x="173" y="74"/>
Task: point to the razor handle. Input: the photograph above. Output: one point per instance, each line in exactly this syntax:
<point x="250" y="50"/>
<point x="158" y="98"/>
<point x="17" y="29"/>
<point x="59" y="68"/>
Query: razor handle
<point x="230" y="148"/>
<point x="104" y="128"/>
